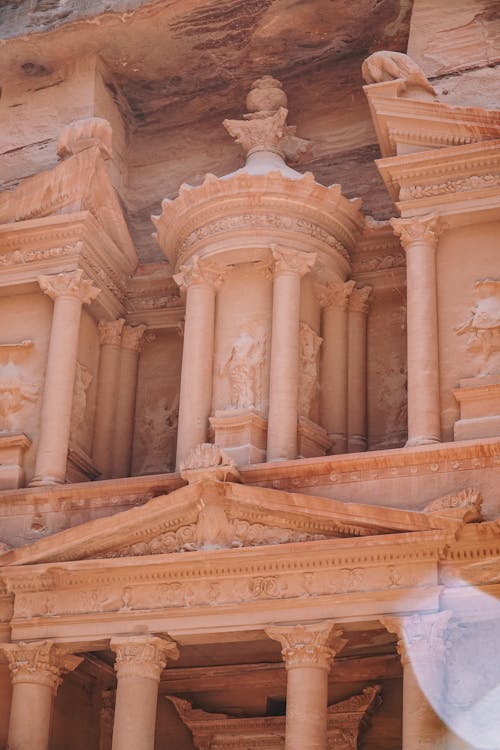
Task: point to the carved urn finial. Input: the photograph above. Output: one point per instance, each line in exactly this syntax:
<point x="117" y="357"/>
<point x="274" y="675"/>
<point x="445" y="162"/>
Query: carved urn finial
<point x="264" y="128"/>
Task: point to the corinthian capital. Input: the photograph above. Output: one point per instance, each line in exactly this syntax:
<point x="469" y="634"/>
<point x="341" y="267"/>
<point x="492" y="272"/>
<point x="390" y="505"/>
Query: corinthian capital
<point x="199" y="271"/>
<point x="133" y="337"/>
<point x="143" y="656"/>
<point x="424" y="229"/>
<point x="335" y="294"/>
<point x="71" y="284"/>
<point x="292" y="261"/>
<point x="41" y="663"/>
<point x="420" y="637"/>
<point x="359" y="299"/>
<point x="110" y="331"/>
<point x="313" y="645"/>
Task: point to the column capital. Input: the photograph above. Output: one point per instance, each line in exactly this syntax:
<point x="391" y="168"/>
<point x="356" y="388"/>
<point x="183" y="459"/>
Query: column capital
<point x="334" y="294"/>
<point x="359" y="299"/>
<point x="40" y="663"/>
<point x="289" y="261"/>
<point x="421" y="229"/>
<point x="132" y="337"/>
<point x="110" y="331"/>
<point x="313" y="645"/>
<point x="199" y="272"/>
<point x="142" y="656"/>
<point x="420" y="637"/>
<point x="70" y="284"/>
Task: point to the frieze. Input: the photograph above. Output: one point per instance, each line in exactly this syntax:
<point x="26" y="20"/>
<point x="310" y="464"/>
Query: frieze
<point x="474" y="182"/>
<point x="180" y="589"/>
<point x="22" y="257"/>
<point x="259" y="221"/>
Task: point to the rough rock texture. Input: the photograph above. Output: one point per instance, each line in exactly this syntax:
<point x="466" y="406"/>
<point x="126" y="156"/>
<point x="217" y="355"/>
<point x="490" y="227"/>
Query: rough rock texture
<point x="167" y="74"/>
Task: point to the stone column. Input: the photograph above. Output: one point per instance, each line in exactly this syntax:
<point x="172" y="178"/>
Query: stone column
<point x="421" y="645"/>
<point x="289" y="267"/>
<point x="139" y="663"/>
<point x="36" y="671"/>
<point x="419" y="237"/>
<point x="201" y="279"/>
<point x="69" y="292"/>
<point x="109" y="369"/>
<point x="131" y="344"/>
<point x="356" y="388"/>
<point x="106" y="716"/>
<point x="333" y="299"/>
<point x="308" y="652"/>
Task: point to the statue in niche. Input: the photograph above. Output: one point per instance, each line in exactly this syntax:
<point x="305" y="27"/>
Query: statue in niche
<point x="309" y="345"/>
<point x="83" y="379"/>
<point x="483" y="326"/>
<point x="244" y="369"/>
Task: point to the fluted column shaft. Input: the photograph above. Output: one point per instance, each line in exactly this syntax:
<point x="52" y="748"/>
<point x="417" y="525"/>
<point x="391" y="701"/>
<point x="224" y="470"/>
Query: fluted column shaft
<point x="139" y="663"/>
<point x="36" y="670"/>
<point x="289" y="267"/>
<point x="69" y="292"/>
<point x="308" y="652"/>
<point x="131" y="343"/>
<point x="357" y="396"/>
<point x="419" y="238"/>
<point x="109" y="369"/>
<point x="333" y="299"/>
<point x="201" y="280"/>
<point x="421" y="645"/>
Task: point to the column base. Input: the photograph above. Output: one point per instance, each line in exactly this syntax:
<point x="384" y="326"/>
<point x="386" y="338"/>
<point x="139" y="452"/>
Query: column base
<point x="338" y="442"/>
<point x="357" y="444"/>
<point x="12" y="449"/>
<point x="313" y="440"/>
<point x="241" y="433"/>
<point x="43" y="481"/>
<point x="422" y="440"/>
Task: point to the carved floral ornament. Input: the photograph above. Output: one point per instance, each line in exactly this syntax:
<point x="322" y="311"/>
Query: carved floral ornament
<point x="199" y="272"/>
<point x="143" y="656"/>
<point x="70" y="284"/>
<point x="313" y="645"/>
<point x="422" y="230"/>
<point x="40" y="663"/>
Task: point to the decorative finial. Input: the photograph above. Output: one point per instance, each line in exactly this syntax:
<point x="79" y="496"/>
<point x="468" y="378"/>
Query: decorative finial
<point x="264" y="126"/>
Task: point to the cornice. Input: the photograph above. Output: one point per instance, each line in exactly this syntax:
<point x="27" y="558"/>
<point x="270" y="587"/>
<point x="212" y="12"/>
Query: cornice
<point x="387" y="463"/>
<point x="276" y="206"/>
<point x="402" y="121"/>
<point x="454" y="180"/>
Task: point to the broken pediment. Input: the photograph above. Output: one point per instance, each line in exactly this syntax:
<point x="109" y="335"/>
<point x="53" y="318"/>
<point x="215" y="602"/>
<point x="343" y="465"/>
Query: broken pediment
<point x="220" y="732"/>
<point x="79" y="183"/>
<point x="212" y="515"/>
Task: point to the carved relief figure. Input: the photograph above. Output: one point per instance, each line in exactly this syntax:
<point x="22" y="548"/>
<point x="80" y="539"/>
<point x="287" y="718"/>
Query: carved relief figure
<point x="79" y="423"/>
<point x="244" y="370"/>
<point x="309" y="345"/>
<point x="15" y="395"/>
<point x="483" y="326"/>
<point x="387" y="65"/>
<point x="157" y="433"/>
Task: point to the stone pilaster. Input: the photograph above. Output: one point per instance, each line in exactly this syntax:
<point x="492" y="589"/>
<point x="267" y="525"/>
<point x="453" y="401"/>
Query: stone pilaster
<point x="36" y="672"/>
<point x="419" y="237"/>
<point x="201" y="279"/>
<point x="308" y="652"/>
<point x="109" y="370"/>
<point x="334" y="299"/>
<point x="131" y="342"/>
<point x="356" y="400"/>
<point x="139" y="663"/>
<point x="421" y="645"/>
<point x="69" y="291"/>
<point x="289" y="267"/>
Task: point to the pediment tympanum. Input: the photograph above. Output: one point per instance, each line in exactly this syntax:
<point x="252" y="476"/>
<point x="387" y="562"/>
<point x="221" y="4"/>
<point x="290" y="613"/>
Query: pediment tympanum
<point x="211" y="515"/>
<point x="222" y="732"/>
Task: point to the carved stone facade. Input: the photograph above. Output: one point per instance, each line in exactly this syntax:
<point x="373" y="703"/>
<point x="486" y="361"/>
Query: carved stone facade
<point x="291" y="406"/>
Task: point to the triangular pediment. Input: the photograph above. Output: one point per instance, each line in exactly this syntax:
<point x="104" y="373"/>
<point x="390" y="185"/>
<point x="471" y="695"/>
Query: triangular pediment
<point x="211" y="515"/>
